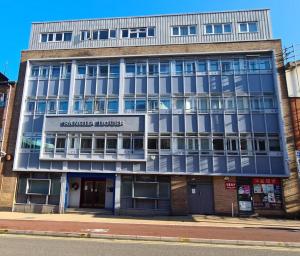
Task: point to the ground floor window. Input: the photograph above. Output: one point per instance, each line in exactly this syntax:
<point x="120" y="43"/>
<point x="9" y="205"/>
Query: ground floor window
<point x="145" y="192"/>
<point x="38" y="188"/>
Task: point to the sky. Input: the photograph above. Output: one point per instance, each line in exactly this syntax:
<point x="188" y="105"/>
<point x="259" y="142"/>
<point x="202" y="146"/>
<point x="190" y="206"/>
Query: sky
<point x="16" y="17"/>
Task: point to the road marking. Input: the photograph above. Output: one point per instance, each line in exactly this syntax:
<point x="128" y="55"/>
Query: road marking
<point x="98" y="240"/>
<point x="97" y="230"/>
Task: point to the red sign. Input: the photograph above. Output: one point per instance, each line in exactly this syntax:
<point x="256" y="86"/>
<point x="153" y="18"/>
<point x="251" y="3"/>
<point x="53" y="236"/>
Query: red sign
<point x="230" y="185"/>
<point x="274" y="181"/>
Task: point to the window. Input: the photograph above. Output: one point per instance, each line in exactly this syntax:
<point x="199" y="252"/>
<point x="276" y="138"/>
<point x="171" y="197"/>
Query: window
<point x="41" y="107"/>
<point x="92" y="71"/>
<point x="218" y="28"/>
<point x="88" y="106"/>
<point x="230" y="104"/>
<point x="103" y="70"/>
<point x="189" y="68"/>
<point x="81" y="70"/>
<point x="265" y="64"/>
<point x="39" y="187"/>
<point x="60" y="144"/>
<point x="259" y="144"/>
<point x="51" y="107"/>
<point x="216" y="103"/>
<point x="44" y="72"/>
<point x="190" y="105"/>
<point x="138" y="32"/>
<point x="66" y="70"/>
<point x="112" y="106"/>
<point x="99" y="145"/>
<point x="201" y="66"/>
<point x="73" y="143"/>
<point x="35" y="71"/>
<point x="256" y="104"/>
<point x="232" y="144"/>
<point x="192" y="144"/>
<point x="129" y="106"/>
<point x="180" y="143"/>
<point x="152" y="144"/>
<point x="164" y="68"/>
<point x="2" y="100"/>
<point x="111" y="145"/>
<point x="165" y="104"/>
<point x="153" y="69"/>
<point x="165" y="144"/>
<point x="204" y="144"/>
<point x="85" y="35"/>
<point x="50" y="143"/>
<point x="187" y="30"/>
<point x="242" y="103"/>
<point x="245" y="144"/>
<point x="203" y="105"/>
<point x="55" y="72"/>
<point x="178" y="104"/>
<point x="227" y="66"/>
<point x="63" y="107"/>
<point x="126" y="142"/>
<point x="114" y="70"/>
<point x="214" y="65"/>
<point x="248" y="27"/>
<point x="104" y="34"/>
<point x="56" y="37"/>
<point x="141" y="69"/>
<point x="152" y="105"/>
<point x="178" y="67"/>
<point x="86" y="143"/>
<point x="218" y="144"/>
<point x="77" y="107"/>
<point x="100" y="106"/>
<point x="138" y="143"/>
<point x="274" y="144"/>
<point x="30" y="106"/>
<point x="269" y="103"/>
<point x="130" y="69"/>
<point x="140" y="105"/>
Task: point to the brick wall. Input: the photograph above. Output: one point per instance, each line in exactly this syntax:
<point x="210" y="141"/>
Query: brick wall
<point x="179" y="204"/>
<point x="224" y="197"/>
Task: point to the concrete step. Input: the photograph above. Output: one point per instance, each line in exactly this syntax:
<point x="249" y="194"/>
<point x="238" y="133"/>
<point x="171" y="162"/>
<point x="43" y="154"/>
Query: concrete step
<point x="91" y="211"/>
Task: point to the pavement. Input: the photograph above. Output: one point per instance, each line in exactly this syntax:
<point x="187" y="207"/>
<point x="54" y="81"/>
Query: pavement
<point x="193" y="229"/>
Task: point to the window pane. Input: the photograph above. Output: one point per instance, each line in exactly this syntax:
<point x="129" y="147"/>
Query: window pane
<point x="218" y="144"/>
<point x="111" y="144"/>
<point x="92" y="71"/>
<point x="153" y="69"/>
<point x="274" y="145"/>
<point x="55" y="71"/>
<point x="95" y="35"/>
<point x="60" y="144"/>
<point x="103" y="70"/>
<point x="209" y="29"/>
<point x="151" y="31"/>
<point x="202" y="66"/>
<point x="184" y="31"/>
<point x="252" y="27"/>
<point x="103" y="34"/>
<point x="126" y="143"/>
<point x="243" y="27"/>
<point x="50" y="144"/>
<point x="164" y="68"/>
<point x="153" y="144"/>
<point x="145" y="190"/>
<point x="214" y="65"/>
<point x="178" y="67"/>
<point x="218" y="29"/>
<point x="130" y="69"/>
<point x="38" y="187"/>
<point x="204" y="144"/>
<point x="125" y="33"/>
<point x="129" y="105"/>
<point x="41" y="107"/>
<point x="81" y="70"/>
<point x="63" y="107"/>
<point x="44" y="38"/>
<point x="99" y="144"/>
<point x="193" y="30"/>
<point x="112" y="106"/>
<point x="152" y="105"/>
<point x="165" y="104"/>
<point x="67" y="36"/>
<point x="58" y="37"/>
<point x="180" y="143"/>
<point x="52" y="107"/>
<point x="88" y="106"/>
<point x="175" y="31"/>
<point x="179" y="104"/>
<point x="165" y="144"/>
<point x="100" y="106"/>
<point x="112" y="33"/>
<point x="114" y="70"/>
<point x="227" y="28"/>
<point x="86" y="145"/>
<point x="140" y="105"/>
<point x="138" y="144"/>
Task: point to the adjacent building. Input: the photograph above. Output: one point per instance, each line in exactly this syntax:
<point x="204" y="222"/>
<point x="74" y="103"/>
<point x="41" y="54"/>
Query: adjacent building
<point x="7" y="177"/>
<point x="166" y="114"/>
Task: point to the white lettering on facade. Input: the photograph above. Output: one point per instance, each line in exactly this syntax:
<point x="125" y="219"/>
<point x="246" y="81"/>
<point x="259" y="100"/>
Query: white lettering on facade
<point x="92" y="123"/>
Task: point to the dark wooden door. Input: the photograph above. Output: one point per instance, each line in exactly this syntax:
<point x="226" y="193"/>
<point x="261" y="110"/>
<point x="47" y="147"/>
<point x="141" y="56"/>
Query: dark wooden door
<point x="93" y="194"/>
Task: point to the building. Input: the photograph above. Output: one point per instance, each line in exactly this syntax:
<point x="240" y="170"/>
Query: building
<point x="7" y="177"/>
<point x="166" y="114"/>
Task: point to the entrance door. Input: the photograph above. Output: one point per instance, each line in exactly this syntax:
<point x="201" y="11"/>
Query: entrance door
<point x="93" y="194"/>
<point x="200" y="198"/>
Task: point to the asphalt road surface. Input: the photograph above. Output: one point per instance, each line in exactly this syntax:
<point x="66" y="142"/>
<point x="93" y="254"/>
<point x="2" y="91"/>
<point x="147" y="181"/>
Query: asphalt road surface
<point x="17" y="245"/>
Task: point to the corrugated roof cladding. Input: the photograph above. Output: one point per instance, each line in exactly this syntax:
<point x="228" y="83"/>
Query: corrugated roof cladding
<point x="163" y="25"/>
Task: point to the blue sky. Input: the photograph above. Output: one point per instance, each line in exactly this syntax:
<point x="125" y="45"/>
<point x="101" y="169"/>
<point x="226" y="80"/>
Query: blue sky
<point x="16" y="17"/>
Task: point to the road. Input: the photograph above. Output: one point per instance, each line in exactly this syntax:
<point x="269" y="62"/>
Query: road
<point x="18" y="245"/>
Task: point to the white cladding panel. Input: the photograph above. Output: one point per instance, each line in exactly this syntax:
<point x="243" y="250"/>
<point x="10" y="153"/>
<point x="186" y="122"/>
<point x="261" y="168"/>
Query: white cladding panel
<point x="293" y="80"/>
<point x="163" y="26"/>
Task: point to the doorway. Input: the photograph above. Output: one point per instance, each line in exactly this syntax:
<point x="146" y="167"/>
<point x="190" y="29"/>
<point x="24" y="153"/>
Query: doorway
<point x="200" y="197"/>
<point x="93" y="193"/>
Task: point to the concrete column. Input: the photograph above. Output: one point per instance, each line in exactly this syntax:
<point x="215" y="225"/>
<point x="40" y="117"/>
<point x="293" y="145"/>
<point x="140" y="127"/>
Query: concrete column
<point x="63" y="190"/>
<point x="117" y="194"/>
